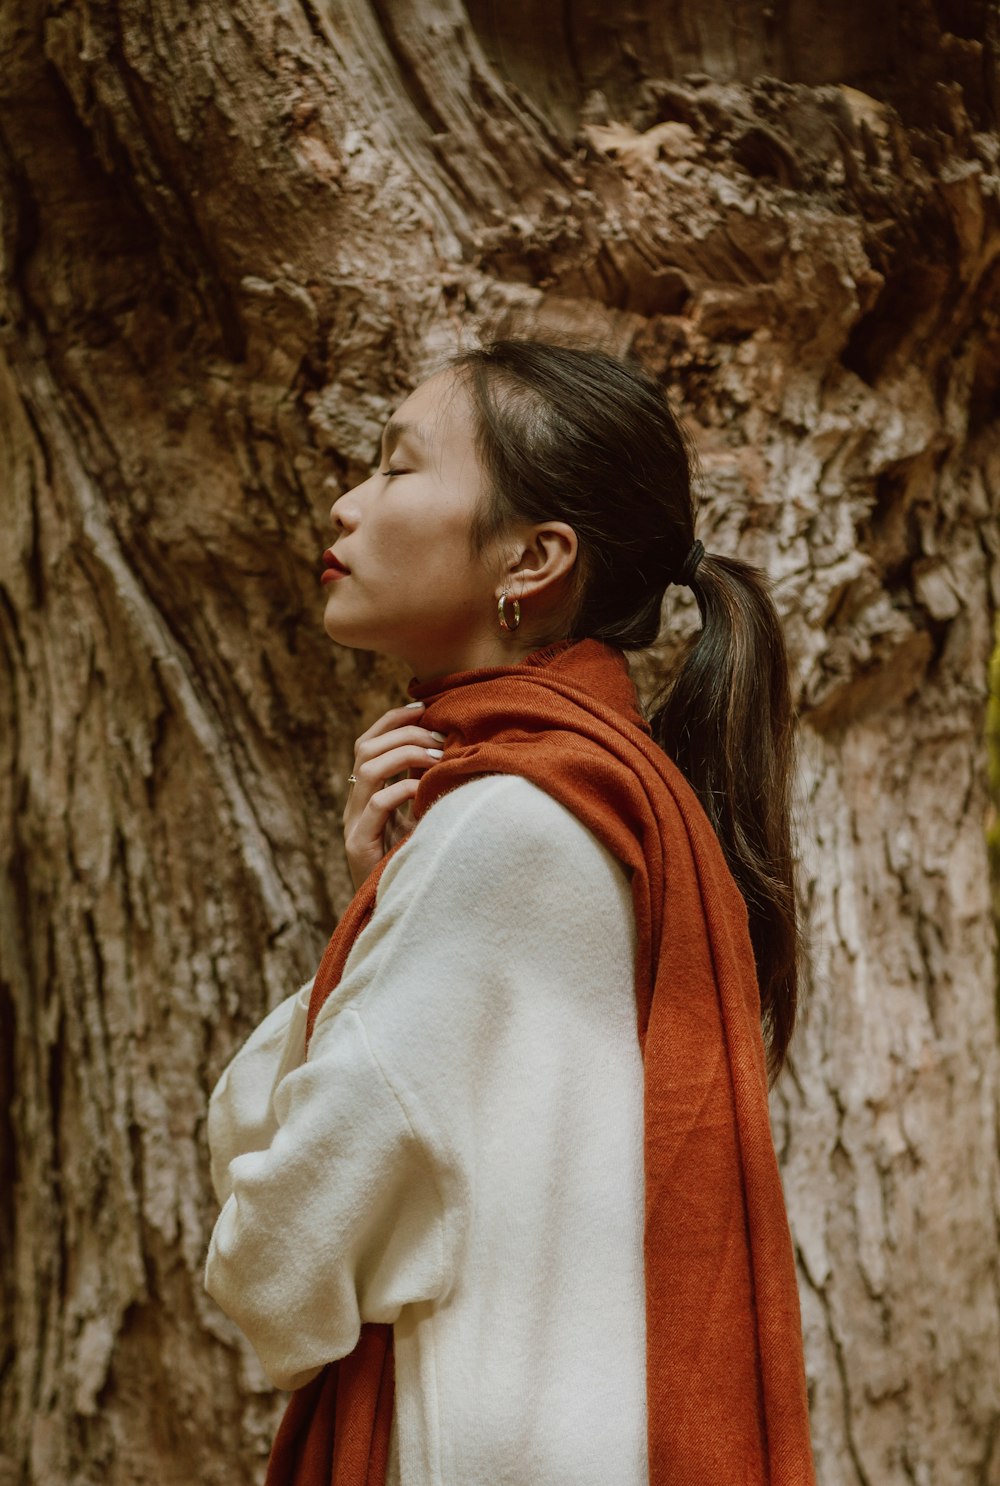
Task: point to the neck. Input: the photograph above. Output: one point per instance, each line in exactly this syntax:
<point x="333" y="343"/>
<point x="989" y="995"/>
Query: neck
<point x="489" y="653"/>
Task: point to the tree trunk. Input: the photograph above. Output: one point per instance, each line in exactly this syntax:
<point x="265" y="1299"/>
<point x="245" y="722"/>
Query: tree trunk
<point x="233" y="235"/>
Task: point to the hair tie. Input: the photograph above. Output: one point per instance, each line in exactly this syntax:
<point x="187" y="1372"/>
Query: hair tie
<point x="688" y="567"/>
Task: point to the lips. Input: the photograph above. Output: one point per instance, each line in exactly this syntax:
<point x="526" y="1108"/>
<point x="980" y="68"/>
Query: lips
<point x="332" y="566"/>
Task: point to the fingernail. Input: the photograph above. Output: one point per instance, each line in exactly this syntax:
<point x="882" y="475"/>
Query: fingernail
<point x="439" y="736"/>
<point x="416" y="704"/>
<point x="436" y="752"/>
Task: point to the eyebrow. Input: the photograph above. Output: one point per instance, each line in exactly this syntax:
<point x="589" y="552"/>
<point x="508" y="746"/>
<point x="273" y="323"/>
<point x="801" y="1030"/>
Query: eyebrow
<point x="395" y="431"/>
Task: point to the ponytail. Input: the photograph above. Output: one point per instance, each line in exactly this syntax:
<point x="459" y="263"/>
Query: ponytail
<point x="725" y="717"/>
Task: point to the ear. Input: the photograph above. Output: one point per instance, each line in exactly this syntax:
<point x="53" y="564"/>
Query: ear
<point x="540" y="562"/>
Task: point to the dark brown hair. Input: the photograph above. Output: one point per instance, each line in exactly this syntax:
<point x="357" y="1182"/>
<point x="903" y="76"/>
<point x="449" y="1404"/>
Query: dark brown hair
<point x="577" y="435"/>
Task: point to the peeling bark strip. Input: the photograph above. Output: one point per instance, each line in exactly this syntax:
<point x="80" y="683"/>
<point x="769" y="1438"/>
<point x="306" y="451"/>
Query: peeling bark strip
<point x="233" y="235"/>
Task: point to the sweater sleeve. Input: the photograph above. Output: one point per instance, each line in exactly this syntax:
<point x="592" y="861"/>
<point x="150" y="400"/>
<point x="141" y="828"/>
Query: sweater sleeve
<point x="241" y="1114"/>
<point x="339" y="1220"/>
<point x="359" y="1202"/>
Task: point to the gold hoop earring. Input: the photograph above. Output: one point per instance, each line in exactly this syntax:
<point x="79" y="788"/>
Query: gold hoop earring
<point x="510" y="625"/>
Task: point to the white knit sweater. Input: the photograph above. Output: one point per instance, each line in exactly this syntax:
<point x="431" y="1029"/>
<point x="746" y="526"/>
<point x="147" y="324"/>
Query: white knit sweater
<point x="460" y="1155"/>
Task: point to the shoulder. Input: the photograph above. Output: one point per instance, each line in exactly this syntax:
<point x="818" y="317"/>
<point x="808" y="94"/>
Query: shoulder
<point x="502" y="802"/>
<point x="497" y="857"/>
<point x="503" y="821"/>
<point x="499" y="908"/>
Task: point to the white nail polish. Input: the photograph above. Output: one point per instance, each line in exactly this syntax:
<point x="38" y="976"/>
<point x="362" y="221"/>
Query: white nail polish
<point x="439" y="736"/>
<point x="436" y="752"/>
<point x="415" y="704"/>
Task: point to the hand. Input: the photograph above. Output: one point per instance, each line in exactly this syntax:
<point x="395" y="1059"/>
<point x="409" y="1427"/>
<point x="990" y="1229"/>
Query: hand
<point x="377" y="813"/>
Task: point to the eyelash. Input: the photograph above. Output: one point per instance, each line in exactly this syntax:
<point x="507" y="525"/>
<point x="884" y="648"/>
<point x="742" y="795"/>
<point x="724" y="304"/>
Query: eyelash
<point x="387" y="473"/>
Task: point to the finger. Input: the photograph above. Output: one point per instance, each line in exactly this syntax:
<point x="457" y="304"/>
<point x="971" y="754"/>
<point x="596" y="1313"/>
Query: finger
<point x="376" y="772"/>
<point x="371" y="748"/>
<point x="366" y="834"/>
<point x="390" y="798"/>
<point x="368" y="839"/>
<point x="395" y="717"/>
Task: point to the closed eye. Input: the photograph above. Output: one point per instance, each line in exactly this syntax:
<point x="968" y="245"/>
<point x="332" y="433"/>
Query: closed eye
<point x="389" y="473"/>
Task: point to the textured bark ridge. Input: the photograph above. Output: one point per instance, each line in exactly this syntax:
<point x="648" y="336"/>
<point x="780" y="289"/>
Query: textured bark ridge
<point x="233" y="235"/>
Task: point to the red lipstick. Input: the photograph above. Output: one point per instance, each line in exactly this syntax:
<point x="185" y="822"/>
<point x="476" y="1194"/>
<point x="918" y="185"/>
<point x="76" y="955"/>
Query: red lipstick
<point x="333" y="568"/>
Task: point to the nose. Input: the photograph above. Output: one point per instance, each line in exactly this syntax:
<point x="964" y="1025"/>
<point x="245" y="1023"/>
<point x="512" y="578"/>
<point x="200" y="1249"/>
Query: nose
<point x="345" y="512"/>
<point x="336" y="519"/>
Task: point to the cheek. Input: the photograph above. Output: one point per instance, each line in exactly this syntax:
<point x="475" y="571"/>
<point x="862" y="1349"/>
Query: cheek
<point x="445" y="546"/>
<point x="427" y="541"/>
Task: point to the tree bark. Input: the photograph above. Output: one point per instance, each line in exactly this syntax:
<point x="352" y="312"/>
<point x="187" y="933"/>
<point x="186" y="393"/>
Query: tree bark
<point x="233" y="235"/>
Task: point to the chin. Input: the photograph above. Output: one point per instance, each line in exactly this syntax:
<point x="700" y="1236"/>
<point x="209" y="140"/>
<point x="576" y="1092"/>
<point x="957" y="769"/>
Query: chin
<point x="341" y="636"/>
<point x="335" y="626"/>
<point x="336" y="632"/>
<point x="350" y="636"/>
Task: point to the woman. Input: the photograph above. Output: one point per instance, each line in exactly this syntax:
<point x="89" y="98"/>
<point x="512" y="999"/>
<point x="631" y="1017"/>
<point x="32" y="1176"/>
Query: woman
<point x="500" y="1198"/>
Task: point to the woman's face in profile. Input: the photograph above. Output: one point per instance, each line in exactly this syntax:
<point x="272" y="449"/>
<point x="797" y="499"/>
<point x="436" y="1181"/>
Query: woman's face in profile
<point x="405" y="580"/>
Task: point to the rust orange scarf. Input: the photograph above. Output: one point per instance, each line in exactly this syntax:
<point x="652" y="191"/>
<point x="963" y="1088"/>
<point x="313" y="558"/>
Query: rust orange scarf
<point x="725" y="1382"/>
